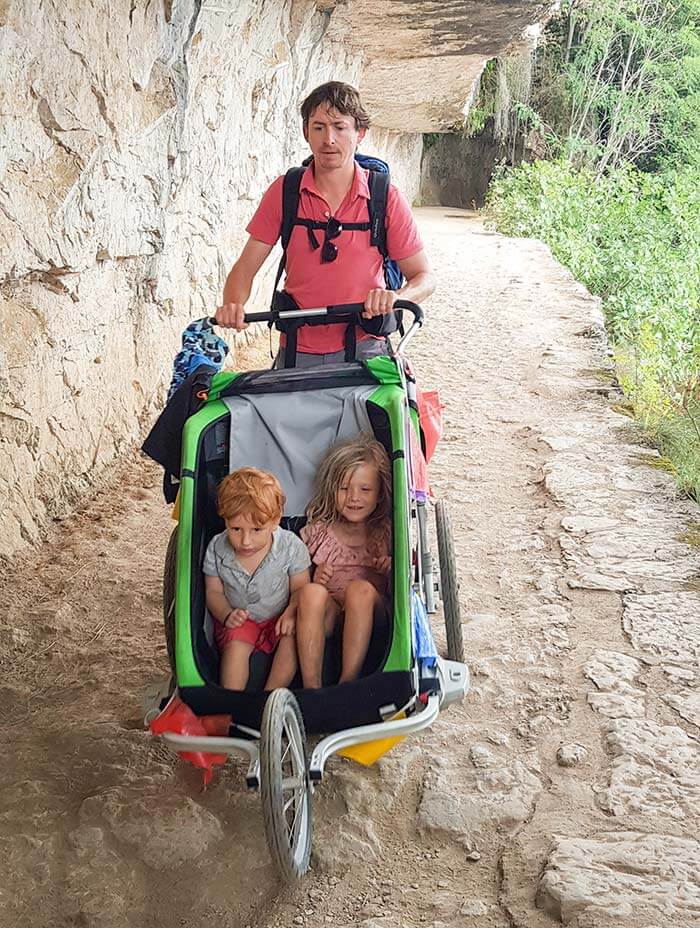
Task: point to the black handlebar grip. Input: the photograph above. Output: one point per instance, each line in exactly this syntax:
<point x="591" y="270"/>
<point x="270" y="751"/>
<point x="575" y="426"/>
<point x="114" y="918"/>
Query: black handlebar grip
<point x="340" y="309"/>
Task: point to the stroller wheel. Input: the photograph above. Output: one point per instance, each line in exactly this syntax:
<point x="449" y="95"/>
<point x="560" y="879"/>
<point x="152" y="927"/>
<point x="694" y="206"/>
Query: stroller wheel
<point x="449" y="584"/>
<point x="284" y="785"/>
<point x="169" y="578"/>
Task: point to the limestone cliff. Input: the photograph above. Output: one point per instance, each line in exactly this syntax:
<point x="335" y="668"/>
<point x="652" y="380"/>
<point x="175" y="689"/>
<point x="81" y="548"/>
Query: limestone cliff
<point x="136" y="138"/>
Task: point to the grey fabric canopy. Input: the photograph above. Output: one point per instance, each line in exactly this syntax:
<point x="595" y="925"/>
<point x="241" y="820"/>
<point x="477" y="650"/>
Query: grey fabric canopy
<point x="287" y="434"/>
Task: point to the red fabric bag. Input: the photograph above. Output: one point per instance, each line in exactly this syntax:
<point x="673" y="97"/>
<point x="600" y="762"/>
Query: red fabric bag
<point x="430" y="415"/>
<point x="181" y="720"/>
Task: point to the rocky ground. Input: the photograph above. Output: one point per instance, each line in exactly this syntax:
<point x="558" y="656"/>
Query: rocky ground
<point x="565" y="789"/>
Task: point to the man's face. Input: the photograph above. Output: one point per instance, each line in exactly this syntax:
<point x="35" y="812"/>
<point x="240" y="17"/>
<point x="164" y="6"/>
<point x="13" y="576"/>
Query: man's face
<point x="332" y="137"/>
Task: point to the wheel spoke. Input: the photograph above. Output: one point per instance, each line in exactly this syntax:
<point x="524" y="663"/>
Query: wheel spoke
<point x="299" y="758"/>
<point x="294" y="830"/>
<point x="293" y="782"/>
<point x="286" y="750"/>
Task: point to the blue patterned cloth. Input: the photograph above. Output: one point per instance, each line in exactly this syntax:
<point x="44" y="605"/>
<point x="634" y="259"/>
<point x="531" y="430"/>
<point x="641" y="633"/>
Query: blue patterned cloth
<point x="200" y="346"/>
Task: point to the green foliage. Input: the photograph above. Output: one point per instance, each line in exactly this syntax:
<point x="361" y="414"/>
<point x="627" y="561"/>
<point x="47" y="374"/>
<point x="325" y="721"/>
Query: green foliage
<point x="484" y="107"/>
<point x="633" y="239"/>
<point x="430" y="139"/>
<point x="619" y="81"/>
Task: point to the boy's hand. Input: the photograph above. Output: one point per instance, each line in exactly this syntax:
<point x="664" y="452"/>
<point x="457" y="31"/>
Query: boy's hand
<point x="236" y="618"/>
<point x="323" y="574"/>
<point x="286" y="623"/>
<point x="382" y="564"/>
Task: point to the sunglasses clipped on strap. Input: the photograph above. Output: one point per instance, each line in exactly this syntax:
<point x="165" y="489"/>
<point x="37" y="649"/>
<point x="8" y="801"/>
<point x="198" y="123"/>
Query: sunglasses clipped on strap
<point x="329" y="250"/>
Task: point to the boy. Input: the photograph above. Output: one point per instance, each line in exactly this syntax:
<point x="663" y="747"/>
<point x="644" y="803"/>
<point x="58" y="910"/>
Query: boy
<point x="252" y="571"/>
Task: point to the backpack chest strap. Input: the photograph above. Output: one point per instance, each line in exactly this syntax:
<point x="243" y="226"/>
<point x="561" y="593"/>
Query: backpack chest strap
<point x="311" y="224"/>
<point x="316" y="224"/>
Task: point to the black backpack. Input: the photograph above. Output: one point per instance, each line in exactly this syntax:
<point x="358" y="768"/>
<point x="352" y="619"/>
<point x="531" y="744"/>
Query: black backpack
<point x="379" y="180"/>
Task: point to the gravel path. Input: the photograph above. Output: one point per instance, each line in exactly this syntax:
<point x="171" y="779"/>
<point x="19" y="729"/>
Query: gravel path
<point x="565" y="789"/>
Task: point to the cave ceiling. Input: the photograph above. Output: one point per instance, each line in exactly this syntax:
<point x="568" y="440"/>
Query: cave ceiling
<point x="422" y="58"/>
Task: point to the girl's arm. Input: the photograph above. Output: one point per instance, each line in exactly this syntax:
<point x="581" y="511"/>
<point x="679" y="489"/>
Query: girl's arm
<point x="323" y="573"/>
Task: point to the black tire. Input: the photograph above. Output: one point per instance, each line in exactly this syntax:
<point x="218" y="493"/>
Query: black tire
<point x="449" y="583"/>
<point x="169" y="579"/>
<point x="285" y="788"/>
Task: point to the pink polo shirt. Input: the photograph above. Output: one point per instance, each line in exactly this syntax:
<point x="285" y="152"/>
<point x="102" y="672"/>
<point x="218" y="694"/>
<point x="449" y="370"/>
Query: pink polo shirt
<point x="358" y="267"/>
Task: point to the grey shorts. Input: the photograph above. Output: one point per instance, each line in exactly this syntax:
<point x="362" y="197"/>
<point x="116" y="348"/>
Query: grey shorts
<point x="367" y="348"/>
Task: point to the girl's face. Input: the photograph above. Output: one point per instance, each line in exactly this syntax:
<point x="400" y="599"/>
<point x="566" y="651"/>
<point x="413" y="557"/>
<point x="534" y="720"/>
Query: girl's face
<point x="358" y="494"/>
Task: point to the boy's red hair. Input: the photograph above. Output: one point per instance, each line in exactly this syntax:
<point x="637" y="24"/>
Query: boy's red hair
<point x="252" y="492"/>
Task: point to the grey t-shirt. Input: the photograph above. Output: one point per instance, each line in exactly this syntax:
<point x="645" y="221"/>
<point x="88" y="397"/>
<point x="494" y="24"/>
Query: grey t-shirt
<point x="264" y="594"/>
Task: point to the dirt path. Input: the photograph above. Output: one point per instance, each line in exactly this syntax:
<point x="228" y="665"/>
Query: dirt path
<point x="567" y="785"/>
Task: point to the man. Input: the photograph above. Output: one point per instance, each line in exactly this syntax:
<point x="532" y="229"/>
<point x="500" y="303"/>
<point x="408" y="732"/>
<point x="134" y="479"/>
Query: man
<point x="347" y="269"/>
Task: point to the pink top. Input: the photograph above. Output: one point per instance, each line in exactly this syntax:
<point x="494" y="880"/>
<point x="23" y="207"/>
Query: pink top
<point x="358" y="267"/>
<point x="349" y="562"/>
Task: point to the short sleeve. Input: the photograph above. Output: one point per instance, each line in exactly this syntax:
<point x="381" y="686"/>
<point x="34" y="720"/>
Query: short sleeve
<point x="299" y="557"/>
<point x="209" y="566"/>
<point x="312" y="535"/>
<point x="402" y="237"/>
<point x="265" y="224"/>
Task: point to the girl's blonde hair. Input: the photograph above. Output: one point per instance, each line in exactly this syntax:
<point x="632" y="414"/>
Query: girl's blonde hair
<point x="253" y="492"/>
<point x="340" y="461"/>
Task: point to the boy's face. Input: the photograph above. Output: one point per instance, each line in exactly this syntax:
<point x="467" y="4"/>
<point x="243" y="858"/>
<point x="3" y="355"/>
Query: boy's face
<point x="248" y="539"/>
<point x="332" y="137"/>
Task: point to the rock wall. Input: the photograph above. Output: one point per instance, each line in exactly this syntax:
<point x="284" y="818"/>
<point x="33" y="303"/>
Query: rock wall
<point x="135" y="141"/>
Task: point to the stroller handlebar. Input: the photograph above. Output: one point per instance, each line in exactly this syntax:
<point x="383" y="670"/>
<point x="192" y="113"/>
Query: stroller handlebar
<point x="341" y="312"/>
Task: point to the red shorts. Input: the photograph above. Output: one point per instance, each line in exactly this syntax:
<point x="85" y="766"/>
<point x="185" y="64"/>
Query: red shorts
<point x="261" y="635"/>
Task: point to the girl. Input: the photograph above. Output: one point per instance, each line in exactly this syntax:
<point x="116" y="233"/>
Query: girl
<point x="348" y="536"/>
<point x="252" y="571"/>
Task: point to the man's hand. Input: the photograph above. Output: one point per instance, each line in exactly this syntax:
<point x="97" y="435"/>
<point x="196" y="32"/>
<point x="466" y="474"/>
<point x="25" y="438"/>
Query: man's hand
<point x="323" y="574"/>
<point x="286" y="623"/>
<point x="230" y="316"/>
<point x="379" y="303"/>
<point x="236" y="618"/>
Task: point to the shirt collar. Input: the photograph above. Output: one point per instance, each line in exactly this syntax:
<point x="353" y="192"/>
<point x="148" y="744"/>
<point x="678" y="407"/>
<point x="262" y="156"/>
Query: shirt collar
<point x="358" y="188"/>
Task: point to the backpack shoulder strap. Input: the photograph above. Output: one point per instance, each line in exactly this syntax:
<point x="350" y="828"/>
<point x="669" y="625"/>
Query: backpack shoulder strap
<point x="290" y="203"/>
<point x="290" y="208"/>
<point x="378" y="194"/>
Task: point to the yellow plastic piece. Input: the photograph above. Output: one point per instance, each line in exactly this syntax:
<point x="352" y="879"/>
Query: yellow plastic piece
<point x="175" y="514"/>
<point x="370" y="752"/>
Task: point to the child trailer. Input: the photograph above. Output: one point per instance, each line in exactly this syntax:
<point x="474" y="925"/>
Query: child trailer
<point x="283" y="421"/>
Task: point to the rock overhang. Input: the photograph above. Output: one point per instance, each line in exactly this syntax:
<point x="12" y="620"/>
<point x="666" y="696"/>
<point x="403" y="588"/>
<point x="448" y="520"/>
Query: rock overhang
<point x="422" y="59"/>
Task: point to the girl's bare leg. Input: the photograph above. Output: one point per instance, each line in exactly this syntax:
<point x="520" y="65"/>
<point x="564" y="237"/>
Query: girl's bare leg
<point x="284" y="664"/>
<point x="316" y="616"/>
<point x="234" y="665"/>
<point x="360" y="599"/>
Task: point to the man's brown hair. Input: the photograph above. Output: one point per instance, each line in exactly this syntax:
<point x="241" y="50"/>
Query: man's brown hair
<point x="252" y="492"/>
<point x="338" y="96"/>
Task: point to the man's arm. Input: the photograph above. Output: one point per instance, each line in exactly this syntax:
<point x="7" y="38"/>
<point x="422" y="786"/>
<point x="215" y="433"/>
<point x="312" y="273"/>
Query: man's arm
<point x="420" y="283"/>
<point x="239" y="284"/>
